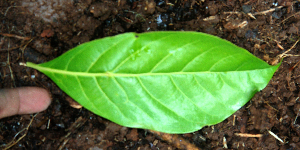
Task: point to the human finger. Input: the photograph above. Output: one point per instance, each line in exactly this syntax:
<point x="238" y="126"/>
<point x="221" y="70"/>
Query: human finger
<point x="23" y="100"/>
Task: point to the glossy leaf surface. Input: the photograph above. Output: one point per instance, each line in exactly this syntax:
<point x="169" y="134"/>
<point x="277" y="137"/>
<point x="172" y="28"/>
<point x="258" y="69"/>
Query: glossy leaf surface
<point x="174" y="82"/>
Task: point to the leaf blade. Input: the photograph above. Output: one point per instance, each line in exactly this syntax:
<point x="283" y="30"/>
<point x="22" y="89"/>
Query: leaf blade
<point x="121" y="83"/>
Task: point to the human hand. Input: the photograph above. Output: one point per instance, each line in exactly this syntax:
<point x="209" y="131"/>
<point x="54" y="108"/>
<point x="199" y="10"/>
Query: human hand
<point x="23" y="100"/>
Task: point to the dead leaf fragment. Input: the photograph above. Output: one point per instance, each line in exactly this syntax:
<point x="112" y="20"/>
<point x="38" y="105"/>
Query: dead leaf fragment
<point x="73" y="103"/>
<point x="47" y="33"/>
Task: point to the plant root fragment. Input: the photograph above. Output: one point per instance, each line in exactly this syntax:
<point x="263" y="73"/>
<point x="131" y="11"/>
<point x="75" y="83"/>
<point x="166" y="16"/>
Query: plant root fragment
<point x="283" y="55"/>
<point x="72" y="129"/>
<point x="25" y="130"/>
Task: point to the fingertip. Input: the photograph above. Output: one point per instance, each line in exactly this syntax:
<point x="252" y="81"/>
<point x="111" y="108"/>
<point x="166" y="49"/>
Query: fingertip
<point x="33" y="99"/>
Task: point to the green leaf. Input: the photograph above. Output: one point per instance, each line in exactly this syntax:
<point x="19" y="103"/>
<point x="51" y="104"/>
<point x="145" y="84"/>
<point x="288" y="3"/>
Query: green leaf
<point x="173" y="82"/>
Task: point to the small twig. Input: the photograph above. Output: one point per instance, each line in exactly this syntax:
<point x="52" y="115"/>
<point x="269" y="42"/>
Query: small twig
<point x="8" y="63"/>
<point x="231" y="12"/>
<point x="233" y="121"/>
<point x="278" y="44"/>
<point x="292" y="68"/>
<point x="289" y="17"/>
<point x="9" y="8"/>
<point x="18" y="37"/>
<point x="296" y="116"/>
<point x="48" y="124"/>
<point x="225" y="143"/>
<point x="169" y="4"/>
<point x="137" y="15"/>
<point x="251" y="15"/>
<point x="63" y="144"/>
<point x="78" y="123"/>
<point x="210" y="18"/>
<point x="256" y="13"/>
<point x="23" y="49"/>
<point x="271" y="107"/>
<point x="275" y="136"/>
<point x="267" y="11"/>
<point x="73" y="128"/>
<point x="271" y="10"/>
<point x="283" y="54"/>
<point x="15" y="36"/>
<point x="4" y="50"/>
<point x="248" y="135"/>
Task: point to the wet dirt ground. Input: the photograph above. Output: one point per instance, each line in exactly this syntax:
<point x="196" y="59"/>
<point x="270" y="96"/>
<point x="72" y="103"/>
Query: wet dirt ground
<point x="41" y="30"/>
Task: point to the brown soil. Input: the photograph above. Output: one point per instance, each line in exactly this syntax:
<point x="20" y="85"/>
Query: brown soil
<point x="42" y="30"/>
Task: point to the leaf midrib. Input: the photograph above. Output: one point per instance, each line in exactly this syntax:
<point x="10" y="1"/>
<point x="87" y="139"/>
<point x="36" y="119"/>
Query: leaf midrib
<point x="111" y="74"/>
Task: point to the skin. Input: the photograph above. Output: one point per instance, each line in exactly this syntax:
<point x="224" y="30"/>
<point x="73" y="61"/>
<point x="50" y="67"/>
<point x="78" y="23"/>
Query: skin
<point x="23" y="100"/>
